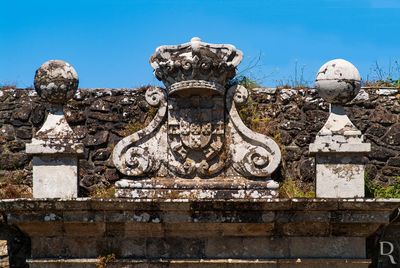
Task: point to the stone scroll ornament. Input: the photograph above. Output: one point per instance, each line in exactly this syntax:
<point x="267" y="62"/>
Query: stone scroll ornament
<point x="197" y="132"/>
<point x="143" y="152"/>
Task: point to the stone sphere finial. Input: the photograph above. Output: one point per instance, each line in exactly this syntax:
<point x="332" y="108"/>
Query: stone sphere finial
<point x="338" y="81"/>
<point x="195" y="39"/>
<point x="56" y="81"/>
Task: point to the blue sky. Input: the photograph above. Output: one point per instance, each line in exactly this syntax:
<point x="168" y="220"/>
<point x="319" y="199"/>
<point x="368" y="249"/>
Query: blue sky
<point x="109" y="42"/>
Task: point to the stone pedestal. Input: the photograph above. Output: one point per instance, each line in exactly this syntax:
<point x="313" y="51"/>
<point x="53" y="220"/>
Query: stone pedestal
<point x="339" y="152"/>
<point x="55" y="160"/>
<point x="55" y="176"/>
<point x="338" y="147"/>
<point x="339" y="175"/>
<point x="54" y="146"/>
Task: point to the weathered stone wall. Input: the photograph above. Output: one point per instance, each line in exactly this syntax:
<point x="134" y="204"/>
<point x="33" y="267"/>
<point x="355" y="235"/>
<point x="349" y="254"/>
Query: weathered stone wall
<point x="294" y="117"/>
<point x="101" y="117"/>
<point x="202" y="233"/>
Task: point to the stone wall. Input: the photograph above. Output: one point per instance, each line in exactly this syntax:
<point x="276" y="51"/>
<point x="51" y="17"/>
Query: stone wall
<point x="202" y="233"/>
<point x="101" y="117"/>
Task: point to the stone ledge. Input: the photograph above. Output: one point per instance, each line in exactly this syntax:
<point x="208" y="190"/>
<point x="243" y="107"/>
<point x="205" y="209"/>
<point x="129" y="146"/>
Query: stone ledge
<point x="268" y="204"/>
<point x="50" y="147"/>
<point x="345" y="148"/>
<point x="217" y="263"/>
<point x="269" y="217"/>
<point x="199" y="233"/>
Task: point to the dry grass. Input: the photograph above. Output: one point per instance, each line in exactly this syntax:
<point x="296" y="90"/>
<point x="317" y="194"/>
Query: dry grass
<point x="104" y="260"/>
<point x="135" y="126"/>
<point x="290" y="188"/>
<point x="103" y="192"/>
<point x="252" y="118"/>
<point x="12" y="186"/>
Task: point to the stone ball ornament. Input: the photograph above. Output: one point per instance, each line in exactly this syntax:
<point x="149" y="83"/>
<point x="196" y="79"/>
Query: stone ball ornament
<point x="56" y="81"/>
<point x="338" y="81"/>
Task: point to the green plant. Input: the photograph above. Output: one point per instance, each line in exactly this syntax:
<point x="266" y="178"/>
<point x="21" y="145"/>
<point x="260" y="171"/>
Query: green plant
<point x="102" y="261"/>
<point x="252" y="117"/>
<point x="291" y="189"/>
<point x="247" y="77"/>
<point x="296" y="80"/>
<point x="245" y="81"/>
<point x="299" y="81"/>
<point x="380" y="77"/>
<point x="378" y="191"/>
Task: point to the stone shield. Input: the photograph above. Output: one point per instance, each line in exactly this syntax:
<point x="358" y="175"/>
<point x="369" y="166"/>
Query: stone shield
<point x="195" y="132"/>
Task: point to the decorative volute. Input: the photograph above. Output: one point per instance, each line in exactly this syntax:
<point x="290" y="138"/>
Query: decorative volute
<point x="197" y="139"/>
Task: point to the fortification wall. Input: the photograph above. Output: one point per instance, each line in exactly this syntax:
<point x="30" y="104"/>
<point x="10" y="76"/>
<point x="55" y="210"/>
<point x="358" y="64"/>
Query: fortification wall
<point x="101" y="117"/>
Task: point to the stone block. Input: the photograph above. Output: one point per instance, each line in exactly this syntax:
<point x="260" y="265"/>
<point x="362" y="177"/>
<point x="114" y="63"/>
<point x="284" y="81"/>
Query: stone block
<point x="306" y="229"/>
<point x="55" y="177"/>
<point x="176" y="216"/>
<point x="360" y="216"/>
<point x="256" y="247"/>
<point x="144" y="230"/>
<point x="219" y="229"/>
<point x="324" y="263"/>
<point x="88" y="229"/>
<point x="37" y="229"/>
<point x="339" y="176"/>
<point x="174" y="248"/>
<point x="46" y="247"/>
<point x="327" y="247"/>
<point x="83" y="216"/>
<point x="133" y="248"/>
<point x="115" y="229"/>
<point x="354" y="229"/>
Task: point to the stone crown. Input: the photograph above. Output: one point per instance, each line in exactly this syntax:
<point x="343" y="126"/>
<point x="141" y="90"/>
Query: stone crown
<point x="196" y="65"/>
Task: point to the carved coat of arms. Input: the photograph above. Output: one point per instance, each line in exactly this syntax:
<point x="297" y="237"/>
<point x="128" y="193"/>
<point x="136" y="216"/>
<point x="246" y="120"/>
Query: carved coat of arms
<point x="196" y="135"/>
<point x="197" y="132"/>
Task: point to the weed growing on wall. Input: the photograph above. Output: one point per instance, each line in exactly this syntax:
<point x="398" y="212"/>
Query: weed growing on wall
<point x="384" y="77"/>
<point x="378" y="191"/>
<point x="135" y="126"/>
<point x="103" y="192"/>
<point x="102" y="261"/>
<point x="290" y="189"/>
<point x="252" y="118"/>
<point x="11" y="185"/>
